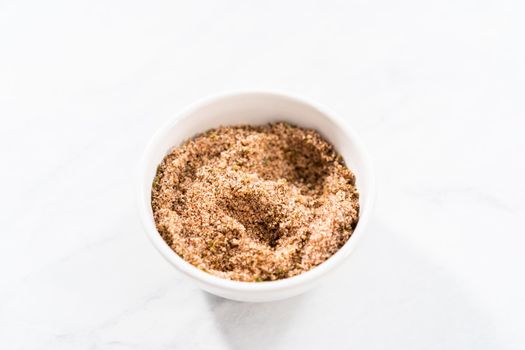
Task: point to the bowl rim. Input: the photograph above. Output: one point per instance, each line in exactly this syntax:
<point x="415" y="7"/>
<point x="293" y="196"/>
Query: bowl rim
<point x="216" y="282"/>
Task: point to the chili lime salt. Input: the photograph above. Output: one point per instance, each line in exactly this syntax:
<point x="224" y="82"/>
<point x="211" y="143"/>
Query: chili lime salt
<point x="255" y="203"/>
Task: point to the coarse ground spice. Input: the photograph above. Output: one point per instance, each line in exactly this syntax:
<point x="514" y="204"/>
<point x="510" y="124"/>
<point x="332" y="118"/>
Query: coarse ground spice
<point x="255" y="203"/>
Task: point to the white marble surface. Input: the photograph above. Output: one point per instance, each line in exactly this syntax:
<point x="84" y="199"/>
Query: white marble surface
<point x="435" y="88"/>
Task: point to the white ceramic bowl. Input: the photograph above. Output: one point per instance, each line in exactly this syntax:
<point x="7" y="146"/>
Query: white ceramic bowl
<point x="255" y="108"/>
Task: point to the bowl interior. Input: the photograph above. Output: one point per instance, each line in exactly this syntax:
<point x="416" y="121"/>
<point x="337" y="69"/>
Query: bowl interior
<point x="254" y="109"/>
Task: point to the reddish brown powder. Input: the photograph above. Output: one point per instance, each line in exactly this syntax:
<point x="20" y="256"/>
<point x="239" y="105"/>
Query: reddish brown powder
<point x="255" y="203"/>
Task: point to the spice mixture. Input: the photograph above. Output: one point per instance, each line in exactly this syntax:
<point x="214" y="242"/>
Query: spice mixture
<point x="255" y="203"/>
